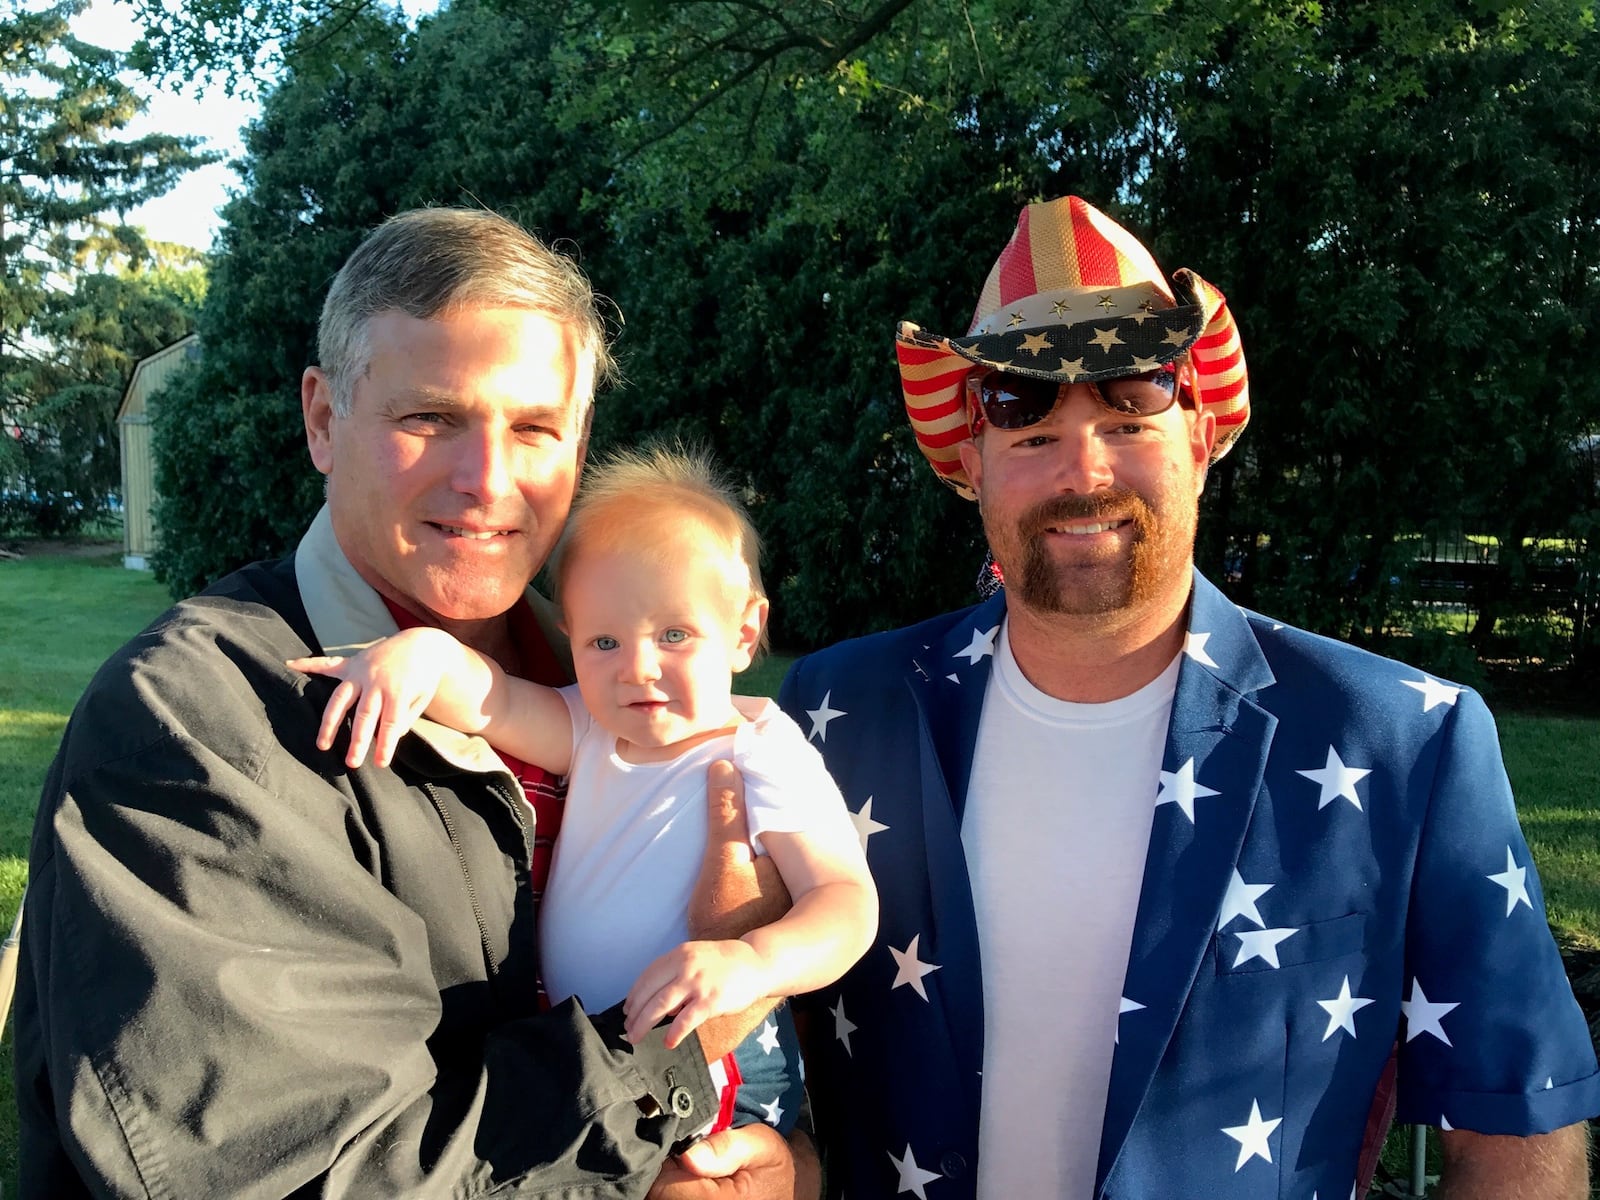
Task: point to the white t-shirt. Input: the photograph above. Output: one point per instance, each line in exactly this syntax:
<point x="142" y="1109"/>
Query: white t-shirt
<point x="1056" y="829"/>
<point x="634" y="834"/>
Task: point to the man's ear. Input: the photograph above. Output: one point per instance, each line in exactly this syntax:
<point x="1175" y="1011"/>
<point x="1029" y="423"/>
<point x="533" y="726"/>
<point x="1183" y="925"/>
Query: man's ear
<point x="751" y="624"/>
<point x="972" y="463"/>
<point x="1202" y="438"/>
<point x="316" y="407"/>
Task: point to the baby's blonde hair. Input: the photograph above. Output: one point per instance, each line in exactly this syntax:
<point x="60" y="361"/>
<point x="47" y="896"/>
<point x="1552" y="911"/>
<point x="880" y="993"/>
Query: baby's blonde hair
<point x="634" y="499"/>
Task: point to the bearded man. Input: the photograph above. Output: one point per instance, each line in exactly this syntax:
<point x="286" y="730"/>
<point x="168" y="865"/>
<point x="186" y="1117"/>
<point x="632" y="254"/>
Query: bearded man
<point x="1168" y="889"/>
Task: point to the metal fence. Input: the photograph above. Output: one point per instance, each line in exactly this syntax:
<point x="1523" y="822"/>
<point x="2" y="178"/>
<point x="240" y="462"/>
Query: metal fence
<point x="1542" y="600"/>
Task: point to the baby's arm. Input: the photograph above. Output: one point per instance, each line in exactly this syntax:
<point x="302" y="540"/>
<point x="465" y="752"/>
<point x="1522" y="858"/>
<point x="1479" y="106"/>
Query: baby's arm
<point x="425" y="671"/>
<point x="830" y="926"/>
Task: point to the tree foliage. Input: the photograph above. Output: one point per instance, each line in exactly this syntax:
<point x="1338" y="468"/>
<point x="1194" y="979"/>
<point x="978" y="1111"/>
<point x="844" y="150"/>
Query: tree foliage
<point x="1412" y="245"/>
<point x="66" y="459"/>
<point x="82" y="296"/>
<point x="1399" y="199"/>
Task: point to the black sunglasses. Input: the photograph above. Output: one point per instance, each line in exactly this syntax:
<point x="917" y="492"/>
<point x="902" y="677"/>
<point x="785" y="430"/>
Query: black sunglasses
<point x="1009" y="401"/>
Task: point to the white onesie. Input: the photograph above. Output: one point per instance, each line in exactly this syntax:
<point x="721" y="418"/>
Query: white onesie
<point x="634" y="834"/>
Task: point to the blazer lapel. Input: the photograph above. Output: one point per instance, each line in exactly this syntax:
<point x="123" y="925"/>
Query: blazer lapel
<point x="1215" y="755"/>
<point x="947" y="683"/>
<point x="948" y="680"/>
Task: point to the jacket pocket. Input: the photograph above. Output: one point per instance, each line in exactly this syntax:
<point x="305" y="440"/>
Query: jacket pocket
<point x="1239" y="951"/>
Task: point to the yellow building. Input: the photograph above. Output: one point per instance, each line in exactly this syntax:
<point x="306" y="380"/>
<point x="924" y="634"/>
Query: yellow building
<point x="138" y="465"/>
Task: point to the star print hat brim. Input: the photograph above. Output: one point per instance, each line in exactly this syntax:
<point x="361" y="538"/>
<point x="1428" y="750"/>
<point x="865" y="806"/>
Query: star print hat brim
<point x="1074" y="297"/>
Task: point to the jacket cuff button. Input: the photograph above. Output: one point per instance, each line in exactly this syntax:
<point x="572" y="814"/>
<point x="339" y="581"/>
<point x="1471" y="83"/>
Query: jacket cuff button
<point x="680" y="1102"/>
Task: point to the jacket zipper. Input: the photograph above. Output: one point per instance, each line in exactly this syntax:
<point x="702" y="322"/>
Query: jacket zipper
<point x="517" y="805"/>
<point x="489" y="959"/>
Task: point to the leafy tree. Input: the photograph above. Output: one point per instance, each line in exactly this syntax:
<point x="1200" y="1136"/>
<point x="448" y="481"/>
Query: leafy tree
<point x="1399" y="205"/>
<point x="66" y="180"/>
<point x="693" y="41"/>
<point x="68" y="462"/>
<point x="1369" y="183"/>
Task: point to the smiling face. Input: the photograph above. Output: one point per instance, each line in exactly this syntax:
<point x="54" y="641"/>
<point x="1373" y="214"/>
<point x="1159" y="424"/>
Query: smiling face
<point x="659" y="624"/>
<point x="449" y="480"/>
<point x="1090" y="512"/>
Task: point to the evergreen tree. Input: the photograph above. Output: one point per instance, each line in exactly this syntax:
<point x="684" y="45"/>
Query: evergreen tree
<point x="69" y="456"/>
<point x="68" y="177"/>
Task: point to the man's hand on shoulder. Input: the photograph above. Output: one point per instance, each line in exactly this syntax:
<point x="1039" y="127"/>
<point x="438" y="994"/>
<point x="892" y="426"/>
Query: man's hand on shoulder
<point x="737" y="890"/>
<point x="748" y="1161"/>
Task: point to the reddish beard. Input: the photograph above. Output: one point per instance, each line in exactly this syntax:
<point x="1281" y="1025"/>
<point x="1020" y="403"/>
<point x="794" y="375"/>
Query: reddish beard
<point x="1043" y="583"/>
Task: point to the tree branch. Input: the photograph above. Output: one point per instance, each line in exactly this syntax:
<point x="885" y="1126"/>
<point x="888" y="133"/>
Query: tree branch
<point x="762" y="55"/>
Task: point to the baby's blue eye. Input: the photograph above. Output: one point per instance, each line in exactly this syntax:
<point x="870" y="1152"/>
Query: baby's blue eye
<point x="675" y="635"/>
<point x="606" y="642"/>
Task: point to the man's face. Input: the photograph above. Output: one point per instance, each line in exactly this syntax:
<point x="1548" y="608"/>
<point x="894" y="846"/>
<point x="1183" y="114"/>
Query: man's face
<point x="449" y="481"/>
<point x="1091" y="512"/>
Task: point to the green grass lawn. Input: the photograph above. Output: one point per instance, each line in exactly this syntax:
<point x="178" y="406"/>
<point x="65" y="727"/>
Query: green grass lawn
<point x="63" y="616"/>
<point x="1552" y="762"/>
<point x="764" y="676"/>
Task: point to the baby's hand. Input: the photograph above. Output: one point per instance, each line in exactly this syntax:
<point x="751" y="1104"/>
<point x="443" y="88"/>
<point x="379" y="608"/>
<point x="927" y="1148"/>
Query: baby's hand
<point x="384" y="689"/>
<point x="698" y="981"/>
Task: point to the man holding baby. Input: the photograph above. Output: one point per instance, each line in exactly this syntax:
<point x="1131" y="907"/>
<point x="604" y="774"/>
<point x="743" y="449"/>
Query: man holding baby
<point x="249" y="970"/>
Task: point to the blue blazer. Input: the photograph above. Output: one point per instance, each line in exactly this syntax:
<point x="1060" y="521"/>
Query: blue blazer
<point x="1371" y="796"/>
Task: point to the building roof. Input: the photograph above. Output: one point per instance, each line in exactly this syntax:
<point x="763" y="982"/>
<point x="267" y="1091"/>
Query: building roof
<point x="151" y="371"/>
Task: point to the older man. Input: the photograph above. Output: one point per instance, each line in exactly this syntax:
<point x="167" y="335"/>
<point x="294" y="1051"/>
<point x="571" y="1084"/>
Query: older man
<point x="249" y="971"/>
<point x="1164" y="883"/>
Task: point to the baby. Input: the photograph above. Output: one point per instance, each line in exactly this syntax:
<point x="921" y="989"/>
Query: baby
<point x="657" y="575"/>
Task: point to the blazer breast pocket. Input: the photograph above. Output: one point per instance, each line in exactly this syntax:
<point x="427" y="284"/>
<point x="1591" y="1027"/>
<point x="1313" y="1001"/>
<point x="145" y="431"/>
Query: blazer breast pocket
<point x="1240" y="951"/>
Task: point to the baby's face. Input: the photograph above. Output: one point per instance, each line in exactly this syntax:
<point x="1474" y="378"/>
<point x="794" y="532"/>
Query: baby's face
<point x="656" y="640"/>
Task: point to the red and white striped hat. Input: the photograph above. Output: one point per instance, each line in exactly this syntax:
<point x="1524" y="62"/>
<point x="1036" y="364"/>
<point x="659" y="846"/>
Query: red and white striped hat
<point x="1074" y="297"/>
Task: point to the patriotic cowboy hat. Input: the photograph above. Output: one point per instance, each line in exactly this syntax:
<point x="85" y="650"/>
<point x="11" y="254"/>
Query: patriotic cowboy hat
<point x="1073" y="297"/>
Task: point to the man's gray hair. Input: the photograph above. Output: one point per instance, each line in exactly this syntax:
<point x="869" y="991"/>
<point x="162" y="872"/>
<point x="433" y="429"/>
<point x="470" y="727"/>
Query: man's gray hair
<point x="433" y="261"/>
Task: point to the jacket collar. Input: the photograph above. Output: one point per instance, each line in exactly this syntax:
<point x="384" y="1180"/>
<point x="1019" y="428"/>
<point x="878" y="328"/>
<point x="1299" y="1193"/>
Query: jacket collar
<point x="947" y="681"/>
<point x="950" y="675"/>
<point x="1221" y="643"/>
<point x="949" y="678"/>
<point x="346" y="614"/>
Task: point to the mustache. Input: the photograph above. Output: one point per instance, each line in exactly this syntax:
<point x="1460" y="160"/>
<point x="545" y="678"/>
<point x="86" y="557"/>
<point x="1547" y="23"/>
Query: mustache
<point x="1116" y="503"/>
